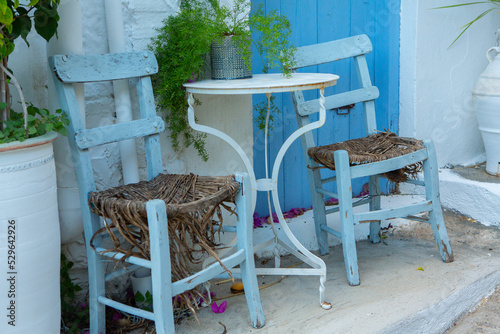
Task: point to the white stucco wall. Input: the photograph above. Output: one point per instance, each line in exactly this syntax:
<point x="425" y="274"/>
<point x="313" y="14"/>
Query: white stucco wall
<point x="436" y="81"/>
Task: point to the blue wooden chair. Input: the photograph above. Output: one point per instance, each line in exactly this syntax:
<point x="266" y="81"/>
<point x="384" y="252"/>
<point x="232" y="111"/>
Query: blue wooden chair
<point x="159" y="215"/>
<point x="377" y="155"/>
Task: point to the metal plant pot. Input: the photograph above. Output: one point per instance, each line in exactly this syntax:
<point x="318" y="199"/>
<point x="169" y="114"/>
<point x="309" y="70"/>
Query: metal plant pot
<point x="227" y="61"/>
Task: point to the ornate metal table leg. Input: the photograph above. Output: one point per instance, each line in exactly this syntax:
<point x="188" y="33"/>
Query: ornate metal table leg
<point x="310" y="258"/>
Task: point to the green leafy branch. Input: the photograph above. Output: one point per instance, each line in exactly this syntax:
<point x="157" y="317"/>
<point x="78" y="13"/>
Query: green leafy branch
<point x="273" y="45"/>
<point x="144" y="301"/>
<point x="74" y="316"/>
<point x="261" y="118"/>
<point x="39" y="122"/>
<point x="181" y="48"/>
<point x="495" y="4"/>
<point x="16" y="21"/>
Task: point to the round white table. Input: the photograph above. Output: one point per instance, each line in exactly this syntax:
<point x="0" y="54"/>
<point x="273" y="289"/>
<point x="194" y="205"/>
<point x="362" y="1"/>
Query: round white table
<point x="268" y="84"/>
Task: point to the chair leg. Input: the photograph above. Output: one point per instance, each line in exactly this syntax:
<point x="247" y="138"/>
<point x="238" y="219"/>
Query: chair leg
<point x="374" y="184"/>
<point x="244" y="231"/>
<point x="432" y="193"/>
<point x="160" y="267"/>
<point x="97" y="273"/>
<point x="319" y="210"/>
<point x="344" y="190"/>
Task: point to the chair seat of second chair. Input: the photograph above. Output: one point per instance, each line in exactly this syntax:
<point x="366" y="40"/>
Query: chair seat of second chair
<point x="377" y="147"/>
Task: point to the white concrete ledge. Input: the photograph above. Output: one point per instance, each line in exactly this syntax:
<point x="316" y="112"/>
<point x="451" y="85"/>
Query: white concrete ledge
<point x="479" y="200"/>
<point x="440" y="317"/>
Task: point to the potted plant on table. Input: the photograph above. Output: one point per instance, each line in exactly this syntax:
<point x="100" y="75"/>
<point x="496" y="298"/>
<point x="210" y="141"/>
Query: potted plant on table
<point x="29" y="225"/>
<point x="486" y="94"/>
<point x="183" y="46"/>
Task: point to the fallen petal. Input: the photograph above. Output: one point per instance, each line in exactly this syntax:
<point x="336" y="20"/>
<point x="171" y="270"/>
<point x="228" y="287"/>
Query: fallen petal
<point x="222" y="307"/>
<point x="215" y="307"/>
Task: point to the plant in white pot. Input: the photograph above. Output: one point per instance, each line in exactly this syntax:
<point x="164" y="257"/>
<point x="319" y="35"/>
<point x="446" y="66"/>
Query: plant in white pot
<point x="29" y="225"/>
<point x="486" y="93"/>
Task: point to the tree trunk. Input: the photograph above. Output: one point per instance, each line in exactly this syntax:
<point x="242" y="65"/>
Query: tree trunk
<point x="4" y="94"/>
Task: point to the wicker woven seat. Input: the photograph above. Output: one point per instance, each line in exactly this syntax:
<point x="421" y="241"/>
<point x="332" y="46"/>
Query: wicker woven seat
<point x="378" y="155"/>
<point x="377" y="147"/>
<point x="192" y="201"/>
<point x="164" y="224"/>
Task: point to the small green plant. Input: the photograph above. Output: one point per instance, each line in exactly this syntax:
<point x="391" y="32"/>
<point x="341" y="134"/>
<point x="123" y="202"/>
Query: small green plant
<point x="40" y="121"/>
<point x="144" y="301"/>
<point x="17" y="20"/>
<point x="181" y="48"/>
<point x="495" y="4"/>
<point x="262" y="108"/>
<point x="183" y="44"/>
<point x="273" y="45"/>
<point x="74" y="316"/>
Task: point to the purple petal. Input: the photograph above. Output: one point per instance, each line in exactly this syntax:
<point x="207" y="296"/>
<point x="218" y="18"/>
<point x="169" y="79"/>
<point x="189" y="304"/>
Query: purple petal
<point x="215" y="307"/>
<point x="222" y="307"/>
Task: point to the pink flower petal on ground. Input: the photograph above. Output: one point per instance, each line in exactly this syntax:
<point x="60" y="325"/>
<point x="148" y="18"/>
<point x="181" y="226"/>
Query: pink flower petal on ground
<point x="215" y="307"/>
<point x="222" y="307"/>
<point x="219" y="309"/>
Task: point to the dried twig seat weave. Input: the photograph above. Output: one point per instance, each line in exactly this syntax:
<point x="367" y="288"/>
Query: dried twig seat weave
<point x="377" y="147"/>
<point x="192" y="203"/>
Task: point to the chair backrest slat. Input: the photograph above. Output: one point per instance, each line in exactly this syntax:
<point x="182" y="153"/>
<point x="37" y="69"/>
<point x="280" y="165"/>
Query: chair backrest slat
<point x="152" y="143"/>
<point x="322" y="53"/>
<point x="340" y="100"/>
<point x="115" y="66"/>
<point x="118" y="132"/>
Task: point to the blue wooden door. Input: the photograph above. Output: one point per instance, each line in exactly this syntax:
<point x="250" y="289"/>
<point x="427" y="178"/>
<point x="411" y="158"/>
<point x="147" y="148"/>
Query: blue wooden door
<point x="316" y="21"/>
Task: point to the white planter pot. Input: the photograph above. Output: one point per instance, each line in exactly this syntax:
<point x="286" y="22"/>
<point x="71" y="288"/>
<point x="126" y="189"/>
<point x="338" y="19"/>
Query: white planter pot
<point x="486" y="99"/>
<point x="29" y="238"/>
<point x="141" y="282"/>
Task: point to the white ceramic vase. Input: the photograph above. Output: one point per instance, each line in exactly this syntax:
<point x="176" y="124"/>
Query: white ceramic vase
<point x="30" y="248"/>
<point x="486" y="99"/>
